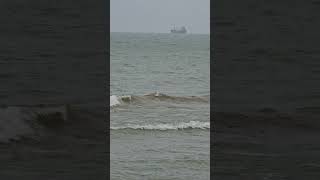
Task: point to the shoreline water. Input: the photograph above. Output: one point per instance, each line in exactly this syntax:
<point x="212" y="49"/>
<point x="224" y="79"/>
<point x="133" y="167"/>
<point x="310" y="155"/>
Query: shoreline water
<point x="160" y="124"/>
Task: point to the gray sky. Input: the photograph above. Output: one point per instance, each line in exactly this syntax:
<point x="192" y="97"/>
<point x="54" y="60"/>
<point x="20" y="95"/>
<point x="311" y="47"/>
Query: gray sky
<point x="160" y="16"/>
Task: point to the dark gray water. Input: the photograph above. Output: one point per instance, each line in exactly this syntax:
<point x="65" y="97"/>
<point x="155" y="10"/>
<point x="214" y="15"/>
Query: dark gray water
<point x="160" y="106"/>
<point x="52" y="114"/>
<point x="266" y="90"/>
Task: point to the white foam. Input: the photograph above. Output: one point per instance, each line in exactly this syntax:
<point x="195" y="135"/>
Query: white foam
<point x="117" y="100"/>
<point x="114" y="101"/>
<point x="182" y="125"/>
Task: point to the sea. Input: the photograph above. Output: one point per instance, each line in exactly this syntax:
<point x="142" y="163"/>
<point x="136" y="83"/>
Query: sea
<point x="53" y="90"/>
<point x="160" y="107"/>
<point x="47" y="130"/>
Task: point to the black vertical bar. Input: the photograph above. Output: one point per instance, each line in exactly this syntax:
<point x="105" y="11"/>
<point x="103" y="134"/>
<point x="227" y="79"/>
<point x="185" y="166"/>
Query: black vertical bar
<point x="108" y="86"/>
<point x="266" y="95"/>
<point x="212" y="120"/>
<point x="54" y="76"/>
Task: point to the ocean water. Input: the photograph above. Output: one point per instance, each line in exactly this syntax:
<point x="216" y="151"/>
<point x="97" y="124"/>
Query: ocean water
<point x="52" y="110"/>
<point x="49" y="135"/>
<point x="160" y="109"/>
<point x="266" y="90"/>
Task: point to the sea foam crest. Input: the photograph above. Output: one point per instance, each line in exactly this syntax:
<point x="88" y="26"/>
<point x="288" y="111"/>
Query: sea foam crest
<point x="114" y="101"/>
<point x="155" y="97"/>
<point x="117" y="100"/>
<point x="163" y="126"/>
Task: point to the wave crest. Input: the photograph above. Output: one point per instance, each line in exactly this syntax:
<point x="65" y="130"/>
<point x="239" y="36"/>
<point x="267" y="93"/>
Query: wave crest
<point x="16" y="122"/>
<point x="119" y="100"/>
<point x="35" y="121"/>
<point x="163" y="126"/>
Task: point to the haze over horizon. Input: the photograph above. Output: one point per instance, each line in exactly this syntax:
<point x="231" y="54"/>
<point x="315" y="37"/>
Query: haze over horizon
<point x="159" y="16"/>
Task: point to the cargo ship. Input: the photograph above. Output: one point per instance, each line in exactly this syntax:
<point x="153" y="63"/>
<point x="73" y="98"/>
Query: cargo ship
<point x="181" y="30"/>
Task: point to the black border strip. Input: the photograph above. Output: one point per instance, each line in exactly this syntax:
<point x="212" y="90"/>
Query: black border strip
<point x="212" y="130"/>
<point x="107" y="90"/>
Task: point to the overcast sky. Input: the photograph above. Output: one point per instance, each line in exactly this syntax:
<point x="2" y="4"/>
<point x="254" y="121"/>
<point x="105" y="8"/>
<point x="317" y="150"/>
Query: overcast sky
<point x="160" y="16"/>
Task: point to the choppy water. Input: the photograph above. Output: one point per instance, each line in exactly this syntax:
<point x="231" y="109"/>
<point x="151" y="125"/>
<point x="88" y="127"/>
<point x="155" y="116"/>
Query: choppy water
<point x="46" y="66"/>
<point x="160" y="106"/>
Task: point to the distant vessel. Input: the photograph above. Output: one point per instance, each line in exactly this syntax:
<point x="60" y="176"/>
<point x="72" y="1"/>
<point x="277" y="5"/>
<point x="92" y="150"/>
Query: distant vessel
<point x="182" y="30"/>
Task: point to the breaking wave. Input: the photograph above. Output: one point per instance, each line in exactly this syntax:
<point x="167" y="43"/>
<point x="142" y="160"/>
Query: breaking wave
<point x="18" y="122"/>
<point x="118" y="100"/>
<point x="152" y="97"/>
<point x="163" y="126"/>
